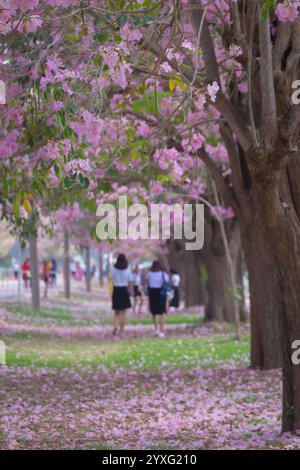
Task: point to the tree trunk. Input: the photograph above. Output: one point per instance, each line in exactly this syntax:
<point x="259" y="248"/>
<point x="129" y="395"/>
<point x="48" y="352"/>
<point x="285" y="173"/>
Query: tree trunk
<point x="188" y="265"/>
<point x="219" y="301"/>
<point x="281" y="228"/>
<point x="35" y="277"/>
<point x="88" y="269"/>
<point x="240" y="282"/>
<point x="194" y="285"/>
<point x="101" y="283"/>
<point x="67" y="283"/>
<point x="265" y="308"/>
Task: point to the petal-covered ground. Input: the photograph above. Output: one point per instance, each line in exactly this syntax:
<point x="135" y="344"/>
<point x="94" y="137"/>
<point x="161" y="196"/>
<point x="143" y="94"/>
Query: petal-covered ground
<point x="69" y="384"/>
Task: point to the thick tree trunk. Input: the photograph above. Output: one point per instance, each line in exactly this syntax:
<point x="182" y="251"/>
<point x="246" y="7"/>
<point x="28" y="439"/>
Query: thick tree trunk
<point x="281" y="228"/>
<point x="35" y="277"/>
<point x="218" y="303"/>
<point x="265" y="307"/>
<point x="67" y="283"/>
<point x="194" y="285"/>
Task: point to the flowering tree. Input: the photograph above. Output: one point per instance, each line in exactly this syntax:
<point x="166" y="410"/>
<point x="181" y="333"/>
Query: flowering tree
<point x="249" y="60"/>
<point x="144" y="91"/>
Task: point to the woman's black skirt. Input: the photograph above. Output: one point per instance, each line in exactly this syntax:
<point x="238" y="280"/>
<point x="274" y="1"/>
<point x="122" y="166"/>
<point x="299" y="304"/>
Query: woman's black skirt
<point x="175" y="301"/>
<point x="157" y="304"/>
<point x="120" y="298"/>
<point x="136" y="291"/>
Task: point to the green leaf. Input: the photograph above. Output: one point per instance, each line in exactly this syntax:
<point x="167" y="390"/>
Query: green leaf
<point x="172" y="84"/>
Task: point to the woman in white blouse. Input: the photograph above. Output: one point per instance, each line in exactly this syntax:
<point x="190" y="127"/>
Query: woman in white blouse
<point x="156" y="278"/>
<point x="122" y="278"/>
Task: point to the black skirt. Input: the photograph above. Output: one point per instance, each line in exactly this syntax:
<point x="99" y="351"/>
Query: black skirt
<point x="136" y="291"/>
<point x="120" y="298"/>
<point x="175" y="301"/>
<point x="157" y="304"/>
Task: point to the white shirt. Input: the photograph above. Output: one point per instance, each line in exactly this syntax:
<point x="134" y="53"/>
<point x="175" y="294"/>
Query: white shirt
<point x="155" y="279"/>
<point x="72" y="266"/>
<point x="121" y="277"/>
<point x="136" y="279"/>
<point x="175" y="280"/>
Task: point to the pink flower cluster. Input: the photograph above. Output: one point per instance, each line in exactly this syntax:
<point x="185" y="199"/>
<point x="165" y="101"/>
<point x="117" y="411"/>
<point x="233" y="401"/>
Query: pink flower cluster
<point x="287" y="11"/>
<point x="223" y="212"/>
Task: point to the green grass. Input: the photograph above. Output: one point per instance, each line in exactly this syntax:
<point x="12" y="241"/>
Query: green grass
<point x="172" y="319"/>
<point x="152" y="354"/>
<point x="101" y="317"/>
<point x="54" y="313"/>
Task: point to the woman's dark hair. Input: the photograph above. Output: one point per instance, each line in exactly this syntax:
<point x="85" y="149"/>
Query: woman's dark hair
<point x="173" y="271"/>
<point x="121" y="262"/>
<point x="156" y="266"/>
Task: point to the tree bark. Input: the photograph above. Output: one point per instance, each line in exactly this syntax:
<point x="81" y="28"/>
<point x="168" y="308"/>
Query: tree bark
<point x="281" y="228"/>
<point x="67" y="282"/>
<point x="35" y="277"/>
<point x="265" y="305"/>
<point x="188" y="264"/>
<point x="219" y="301"/>
<point x="194" y="285"/>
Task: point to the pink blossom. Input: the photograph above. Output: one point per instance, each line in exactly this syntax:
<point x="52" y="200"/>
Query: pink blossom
<point x="166" y="67"/>
<point x="287" y="11"/>
<point x="235" y="50"/>
<point x="143" y="129"/>
<point x="28" y="24"/>
<point x="212" y="90"/>
<point x="130" y="34"/>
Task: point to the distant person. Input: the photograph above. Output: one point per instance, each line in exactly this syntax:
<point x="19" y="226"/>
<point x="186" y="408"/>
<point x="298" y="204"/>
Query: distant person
<point x="122" y="280"/>
<point x="144" y="281"/>
<point x="26" y="273"/>
<point x="46" y="269"/>
<point x="157" y="278"/>
<point x="93" y="271"/>
<point x="16" y="268"/>
<point x="73" y="269"/>
<point x="137" y="291"/>
<point x="53" y="272"/>
<point x="175" y="282"/>
<point x="79" y="272"/>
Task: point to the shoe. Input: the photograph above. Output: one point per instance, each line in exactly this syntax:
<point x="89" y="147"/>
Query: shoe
<point x="156" y="333"/>
<point x="161" y="334"/>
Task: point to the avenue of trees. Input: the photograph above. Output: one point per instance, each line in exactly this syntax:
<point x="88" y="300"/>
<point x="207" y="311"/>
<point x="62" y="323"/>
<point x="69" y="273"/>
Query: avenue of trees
<point x="174" y="101"/>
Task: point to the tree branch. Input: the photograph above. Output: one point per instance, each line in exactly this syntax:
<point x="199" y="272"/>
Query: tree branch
<point x="227" y="196"/>
<point x="269" y="112"/>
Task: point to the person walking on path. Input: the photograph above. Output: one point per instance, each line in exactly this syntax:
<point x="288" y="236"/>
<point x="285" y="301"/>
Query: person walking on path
<point x="122" y="281"/>
<point x="137" y="291"/>
<point x="26" y="273"/>
<point x="157" y="278"/>
<point x="175" y="282"/>
<point x="53" y="272"/>
<point x="46" y="276"/>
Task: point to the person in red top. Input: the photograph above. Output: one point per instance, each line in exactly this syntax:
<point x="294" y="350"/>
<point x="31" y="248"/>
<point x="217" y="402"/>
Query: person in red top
<point x="46" y="276"/>
<point x="26" y="272"/>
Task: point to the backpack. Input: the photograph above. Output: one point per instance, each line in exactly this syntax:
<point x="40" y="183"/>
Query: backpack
<point x="166" y="291"/>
